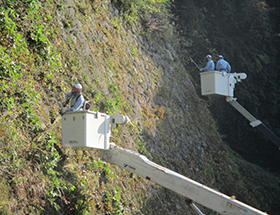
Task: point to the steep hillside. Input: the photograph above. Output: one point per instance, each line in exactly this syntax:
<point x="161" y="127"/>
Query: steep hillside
<point x="246" y="33"/>
<point x="127" y="56"/>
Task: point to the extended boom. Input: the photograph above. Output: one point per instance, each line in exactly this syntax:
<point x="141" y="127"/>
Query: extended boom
<point x="91" y="130"/>
<point x="182" y="185"/>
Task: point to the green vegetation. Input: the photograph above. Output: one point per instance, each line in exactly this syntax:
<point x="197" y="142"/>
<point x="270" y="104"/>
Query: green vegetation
<point x="36" y="71"/>
<point x="127" y="57"/>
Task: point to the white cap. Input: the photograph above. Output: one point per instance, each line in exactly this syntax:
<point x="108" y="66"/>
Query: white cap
<point x="221" y="56"/>
<point x="77" y="88"/>
<point x="209" y="56"/>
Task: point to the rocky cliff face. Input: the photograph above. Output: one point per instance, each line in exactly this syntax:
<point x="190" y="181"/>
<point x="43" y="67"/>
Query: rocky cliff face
<point x="145" y="79"/>
<point x="143" y="71"/>
<point x="134" y="69"/>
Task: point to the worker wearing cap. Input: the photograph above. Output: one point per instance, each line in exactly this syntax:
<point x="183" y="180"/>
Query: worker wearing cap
<point x="76" y="99"/>
<point x="210" y="66"/>
<point x="223" y="65"/>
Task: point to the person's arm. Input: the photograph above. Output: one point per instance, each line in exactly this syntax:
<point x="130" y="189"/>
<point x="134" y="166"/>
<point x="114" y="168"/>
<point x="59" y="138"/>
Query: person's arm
<point x="218" y="66"/>
<point x="64" y="104"/>
<point x="67" y="99"/>
<point x="228" y="68"/>
<point x="212" y="66"/>
<point x="207" y="67"/>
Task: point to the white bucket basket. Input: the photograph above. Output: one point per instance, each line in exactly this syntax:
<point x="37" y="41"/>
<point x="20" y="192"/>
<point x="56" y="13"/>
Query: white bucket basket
<point x="86" y="129"/>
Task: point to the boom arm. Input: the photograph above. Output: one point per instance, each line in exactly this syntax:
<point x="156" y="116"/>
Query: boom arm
<point x="91" y="130"/>
<point x="223" y="84"/>
<point x="254" y="122"/>
<point x="182" y="185"/>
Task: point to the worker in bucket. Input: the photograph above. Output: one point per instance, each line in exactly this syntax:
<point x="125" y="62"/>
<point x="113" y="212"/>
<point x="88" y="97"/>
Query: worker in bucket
<point x="75" y="98"/>
<point x="223" y="65"/>
<point x="210" y="66"/>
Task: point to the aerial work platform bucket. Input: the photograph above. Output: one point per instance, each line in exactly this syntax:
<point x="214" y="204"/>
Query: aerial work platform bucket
<point x="219" y="83"/>
<point x="86" y="129"/>
<point x="215" y="83"/>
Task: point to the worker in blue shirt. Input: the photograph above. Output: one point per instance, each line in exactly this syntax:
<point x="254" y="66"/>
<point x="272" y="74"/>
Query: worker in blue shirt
<point x="210" y="66"/>
<point x="75" y="98"/>
<point x="223" y="65"/>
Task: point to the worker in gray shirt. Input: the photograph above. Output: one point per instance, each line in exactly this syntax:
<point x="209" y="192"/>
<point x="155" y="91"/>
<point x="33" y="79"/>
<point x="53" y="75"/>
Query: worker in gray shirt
<point x="223" y="65"/>
<point x="76" y="99"/>
<point x="210" y="66"/>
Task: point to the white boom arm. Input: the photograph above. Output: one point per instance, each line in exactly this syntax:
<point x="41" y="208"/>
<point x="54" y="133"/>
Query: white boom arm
<point x="255" y="123"/>
<point x="91" y="130"/>
<point x="223" y="84"/>
<point x="182" y="185"/>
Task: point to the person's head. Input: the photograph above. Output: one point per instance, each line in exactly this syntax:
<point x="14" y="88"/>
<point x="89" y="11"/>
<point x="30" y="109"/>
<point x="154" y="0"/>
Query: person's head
<point x="77" y="88"/>
<point x="208" y="57"/>
<point x="221" y="57"/>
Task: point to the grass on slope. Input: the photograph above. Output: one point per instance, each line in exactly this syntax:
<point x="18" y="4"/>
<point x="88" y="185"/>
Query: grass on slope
<point x="37" y="68"/>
